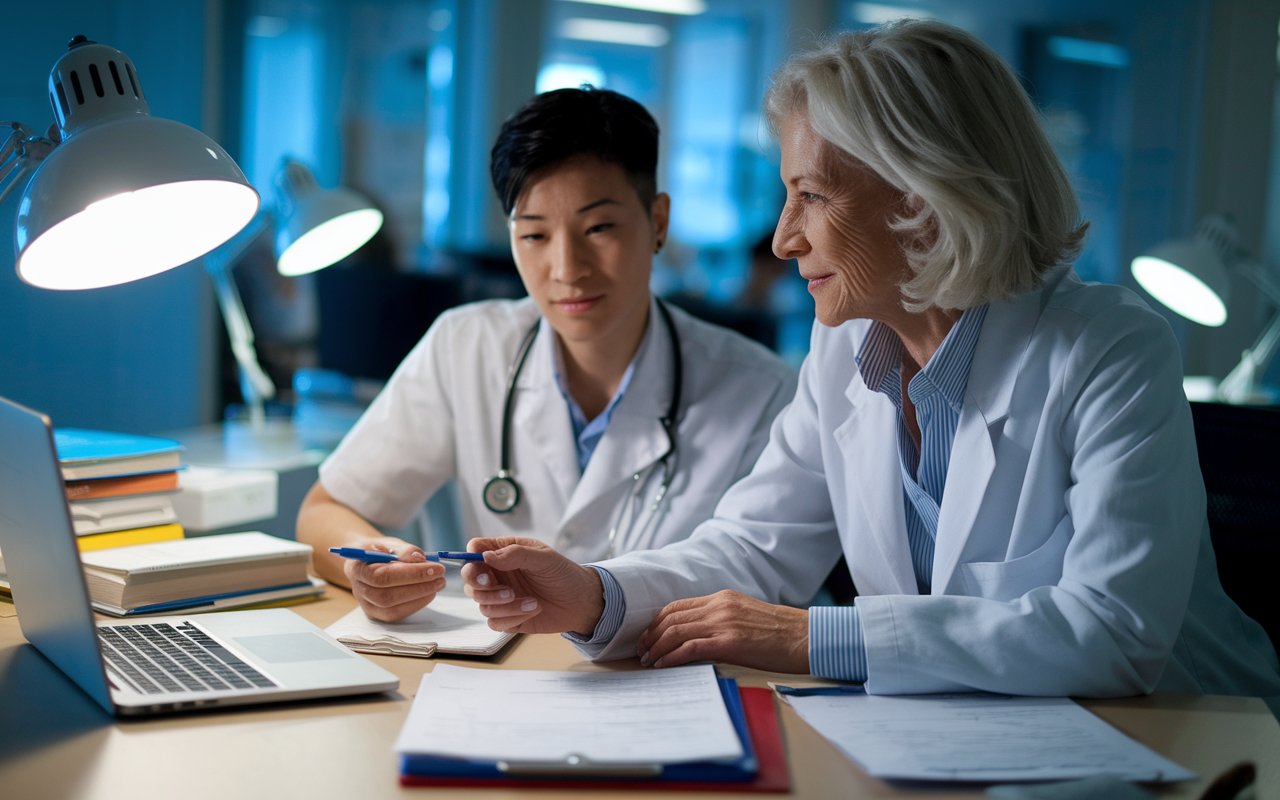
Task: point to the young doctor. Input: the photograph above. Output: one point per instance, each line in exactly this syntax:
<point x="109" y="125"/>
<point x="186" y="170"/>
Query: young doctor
<point x="590" y="415"/>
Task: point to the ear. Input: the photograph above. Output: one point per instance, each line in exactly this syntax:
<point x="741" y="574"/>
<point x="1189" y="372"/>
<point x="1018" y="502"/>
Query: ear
<point x="660" y="216"/>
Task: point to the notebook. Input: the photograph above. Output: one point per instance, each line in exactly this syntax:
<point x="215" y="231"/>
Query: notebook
<point x="450" y="624"/>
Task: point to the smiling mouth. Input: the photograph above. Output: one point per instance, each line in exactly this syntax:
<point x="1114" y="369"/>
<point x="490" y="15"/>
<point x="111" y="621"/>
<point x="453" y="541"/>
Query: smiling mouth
<point x="818" y="280"/>
<point x="578" y="305"/>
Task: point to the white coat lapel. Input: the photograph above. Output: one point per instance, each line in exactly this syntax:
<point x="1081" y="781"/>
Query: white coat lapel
<point x="541" y="418"/>
<point x="868" y="444"/>
<point x="992" y="375"/>
<point x="634" y="438"/>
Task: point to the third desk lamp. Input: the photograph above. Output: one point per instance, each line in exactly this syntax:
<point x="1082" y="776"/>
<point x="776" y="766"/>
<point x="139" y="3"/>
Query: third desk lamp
<point x="1193" y="277"/>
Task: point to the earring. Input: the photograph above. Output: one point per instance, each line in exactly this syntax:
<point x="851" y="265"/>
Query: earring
<point x="658" y="249"/>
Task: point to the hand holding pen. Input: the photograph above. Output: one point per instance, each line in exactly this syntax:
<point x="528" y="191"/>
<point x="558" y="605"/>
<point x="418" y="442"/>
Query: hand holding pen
<point x="390" y="578"/>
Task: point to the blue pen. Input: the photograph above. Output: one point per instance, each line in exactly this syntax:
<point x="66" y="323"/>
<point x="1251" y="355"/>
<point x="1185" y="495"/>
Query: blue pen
<point x="809" y="691"/>
<point x="379" y="557"/>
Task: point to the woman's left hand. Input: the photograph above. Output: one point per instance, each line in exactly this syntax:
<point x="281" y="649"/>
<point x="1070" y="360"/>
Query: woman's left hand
<point x="731" y="627"/>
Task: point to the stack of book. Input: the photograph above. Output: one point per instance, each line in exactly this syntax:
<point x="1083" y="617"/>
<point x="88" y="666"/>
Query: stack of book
<point x="120" y="487"/>
<point x="207" y="573"/>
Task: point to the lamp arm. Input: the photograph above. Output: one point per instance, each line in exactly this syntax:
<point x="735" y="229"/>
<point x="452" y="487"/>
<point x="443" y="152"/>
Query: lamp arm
<point x="255" y="384"/>
<point x="20" y="154"/>
<point x="1239" y="385"/>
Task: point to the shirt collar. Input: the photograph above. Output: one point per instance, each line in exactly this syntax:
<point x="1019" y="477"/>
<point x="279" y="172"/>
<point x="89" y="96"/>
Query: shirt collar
<point x="557" y="365"/>
<point x="947" y="371"/>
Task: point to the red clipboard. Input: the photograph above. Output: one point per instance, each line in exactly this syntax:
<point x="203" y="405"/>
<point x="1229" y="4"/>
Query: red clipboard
<point x="766" y="738"/>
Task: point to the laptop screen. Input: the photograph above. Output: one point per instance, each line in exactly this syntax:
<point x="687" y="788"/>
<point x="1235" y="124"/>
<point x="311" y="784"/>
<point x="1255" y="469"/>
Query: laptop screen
<point x="40" y="552"/>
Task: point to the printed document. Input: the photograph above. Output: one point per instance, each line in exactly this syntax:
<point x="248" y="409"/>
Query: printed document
<point x="663" y="716"/>
<point x="980" y="737"/>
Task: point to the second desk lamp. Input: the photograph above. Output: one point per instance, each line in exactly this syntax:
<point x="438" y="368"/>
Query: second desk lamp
<point x="314" y="228"/>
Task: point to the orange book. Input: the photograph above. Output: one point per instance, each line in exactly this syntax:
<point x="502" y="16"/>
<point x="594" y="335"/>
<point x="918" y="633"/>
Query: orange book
<point x="129" y="484"/>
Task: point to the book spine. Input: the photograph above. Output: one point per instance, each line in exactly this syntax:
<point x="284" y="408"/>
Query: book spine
<point x="102" y="541"/>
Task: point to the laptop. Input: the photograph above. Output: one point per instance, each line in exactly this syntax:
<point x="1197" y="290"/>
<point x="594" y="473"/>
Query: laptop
<point x="146" y="665"/>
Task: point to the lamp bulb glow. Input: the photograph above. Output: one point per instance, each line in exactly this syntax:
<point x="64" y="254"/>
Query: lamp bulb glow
<point x="330" y="242"/>
<point x="1179" y="290"/>
<point x="137" y="234"/>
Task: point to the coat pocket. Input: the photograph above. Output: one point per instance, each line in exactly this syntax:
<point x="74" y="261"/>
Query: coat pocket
<point x="1009" y="580"/>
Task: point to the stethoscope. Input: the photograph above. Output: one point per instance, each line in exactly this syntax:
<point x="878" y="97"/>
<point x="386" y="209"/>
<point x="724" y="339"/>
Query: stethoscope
<point x="501" y="493"/>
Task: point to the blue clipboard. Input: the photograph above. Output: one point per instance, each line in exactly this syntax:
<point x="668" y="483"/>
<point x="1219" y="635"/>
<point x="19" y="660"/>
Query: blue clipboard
<point x="738" y="770"/>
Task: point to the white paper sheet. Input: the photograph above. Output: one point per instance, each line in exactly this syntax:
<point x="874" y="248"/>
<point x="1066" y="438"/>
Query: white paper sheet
<point x="663" y="716"/>
<point x="980" y="737"/>
<point x="450" y="624"/>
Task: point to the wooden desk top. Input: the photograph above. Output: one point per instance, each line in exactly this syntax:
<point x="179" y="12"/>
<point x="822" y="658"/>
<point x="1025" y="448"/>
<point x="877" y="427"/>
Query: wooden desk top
<point x="57" y="743"/>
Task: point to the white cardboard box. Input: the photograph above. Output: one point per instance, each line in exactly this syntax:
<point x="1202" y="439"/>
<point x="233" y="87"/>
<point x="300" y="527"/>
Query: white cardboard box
<point x="213" y="498"/>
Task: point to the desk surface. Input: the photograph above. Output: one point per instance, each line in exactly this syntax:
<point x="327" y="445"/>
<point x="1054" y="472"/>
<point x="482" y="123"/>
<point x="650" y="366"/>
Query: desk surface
<point x="56" y="743"/>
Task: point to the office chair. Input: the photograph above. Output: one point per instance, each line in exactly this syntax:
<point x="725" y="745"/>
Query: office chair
<point x="1239" y="449"/>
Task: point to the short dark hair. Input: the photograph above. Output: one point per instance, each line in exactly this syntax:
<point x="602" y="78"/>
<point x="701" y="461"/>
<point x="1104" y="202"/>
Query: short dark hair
<point x="558" y="125"/>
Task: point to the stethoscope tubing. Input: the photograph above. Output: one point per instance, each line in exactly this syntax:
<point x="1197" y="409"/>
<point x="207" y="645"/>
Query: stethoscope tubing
<point x="501" y="493"/>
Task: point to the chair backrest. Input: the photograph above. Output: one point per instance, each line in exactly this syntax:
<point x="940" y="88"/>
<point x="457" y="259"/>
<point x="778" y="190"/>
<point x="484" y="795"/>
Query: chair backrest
<point x="1239" y="450"/>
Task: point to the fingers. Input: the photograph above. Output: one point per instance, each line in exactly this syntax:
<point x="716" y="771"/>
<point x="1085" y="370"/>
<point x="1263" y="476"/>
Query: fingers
<point x="495" y="596"/>
<point x="396" y="573"/>
<point x="729" y="627"/>
<point x="679" y="611"/>
<point x="693" y="651"/>
<point x="477" y="576"/>
<point x="388" y="604"/>
<point x="396" y="612"/>
<point x="481" y="575"/>
<point x="676" y="632"/>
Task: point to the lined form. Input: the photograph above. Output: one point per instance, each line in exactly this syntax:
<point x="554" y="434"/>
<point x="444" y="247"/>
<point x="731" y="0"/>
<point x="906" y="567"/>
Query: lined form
<point x="653" y="716"/>
<point x="980" y="737"/>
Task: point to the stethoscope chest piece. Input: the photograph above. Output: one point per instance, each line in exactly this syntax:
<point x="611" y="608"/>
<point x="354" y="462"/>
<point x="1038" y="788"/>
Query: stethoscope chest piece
<point x="501" y="494"/>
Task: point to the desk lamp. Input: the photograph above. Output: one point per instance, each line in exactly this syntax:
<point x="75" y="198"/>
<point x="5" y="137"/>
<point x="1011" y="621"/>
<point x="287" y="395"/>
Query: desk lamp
<point x="314" y="228"/>
<point x="117" y="194"/>
<point x="1192" y="277"/>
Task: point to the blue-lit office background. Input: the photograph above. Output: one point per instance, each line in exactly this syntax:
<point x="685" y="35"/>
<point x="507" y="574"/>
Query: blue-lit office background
<point x="1161" y="110"/>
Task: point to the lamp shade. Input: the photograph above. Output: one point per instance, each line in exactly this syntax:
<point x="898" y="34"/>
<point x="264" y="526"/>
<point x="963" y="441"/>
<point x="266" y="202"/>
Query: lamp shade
<point x="318" y="227"/>
<point x="1190" y="275"/>
<point x="125" y="195"/>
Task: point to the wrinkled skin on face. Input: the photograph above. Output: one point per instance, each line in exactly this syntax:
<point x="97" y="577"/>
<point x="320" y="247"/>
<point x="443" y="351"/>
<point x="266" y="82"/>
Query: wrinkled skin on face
<point x="836" y="225"/>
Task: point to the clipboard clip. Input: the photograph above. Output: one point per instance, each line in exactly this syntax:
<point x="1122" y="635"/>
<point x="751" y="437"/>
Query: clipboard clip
<point x="575" y="764"/>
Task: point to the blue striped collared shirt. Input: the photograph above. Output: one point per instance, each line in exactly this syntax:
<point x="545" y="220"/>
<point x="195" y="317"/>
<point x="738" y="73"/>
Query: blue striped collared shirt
<point x="586" y="433"/>
<point x="836" y="645"/>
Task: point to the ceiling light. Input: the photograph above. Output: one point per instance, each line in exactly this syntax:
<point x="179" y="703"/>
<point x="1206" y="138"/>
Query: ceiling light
<point x="686" y="7"/>
<point x="879" y="13"/>
<point x="1088" y="51"/>
<point x="605" y="30"/>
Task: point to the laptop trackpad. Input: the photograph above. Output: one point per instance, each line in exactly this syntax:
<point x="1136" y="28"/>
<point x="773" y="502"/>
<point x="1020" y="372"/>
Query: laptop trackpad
<point x="284" y="648"/>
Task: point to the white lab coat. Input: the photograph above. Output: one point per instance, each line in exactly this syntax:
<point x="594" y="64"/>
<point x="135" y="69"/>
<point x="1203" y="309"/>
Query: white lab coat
<point x="1072" y="553"/>
<point x="440" y="418"/>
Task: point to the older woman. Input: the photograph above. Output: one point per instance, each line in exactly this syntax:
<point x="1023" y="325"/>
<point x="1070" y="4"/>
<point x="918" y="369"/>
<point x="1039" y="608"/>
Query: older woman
<point x="1003" y="454"/>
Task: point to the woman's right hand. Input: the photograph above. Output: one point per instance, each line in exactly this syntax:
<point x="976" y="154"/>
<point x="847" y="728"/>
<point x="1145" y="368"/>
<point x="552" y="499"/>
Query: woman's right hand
<point x="392" y="591"/>
<point x="525" y="586"/>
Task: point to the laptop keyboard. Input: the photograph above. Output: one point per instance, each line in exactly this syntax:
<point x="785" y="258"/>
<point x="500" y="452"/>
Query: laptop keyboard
<point x="160" y="658"/>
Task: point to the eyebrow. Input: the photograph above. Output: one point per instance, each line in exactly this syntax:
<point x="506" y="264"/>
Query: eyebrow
<point x="604" y="201"/>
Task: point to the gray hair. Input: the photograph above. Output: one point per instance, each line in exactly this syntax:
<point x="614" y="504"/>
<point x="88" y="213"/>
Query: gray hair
<point x="938" y="115"/>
